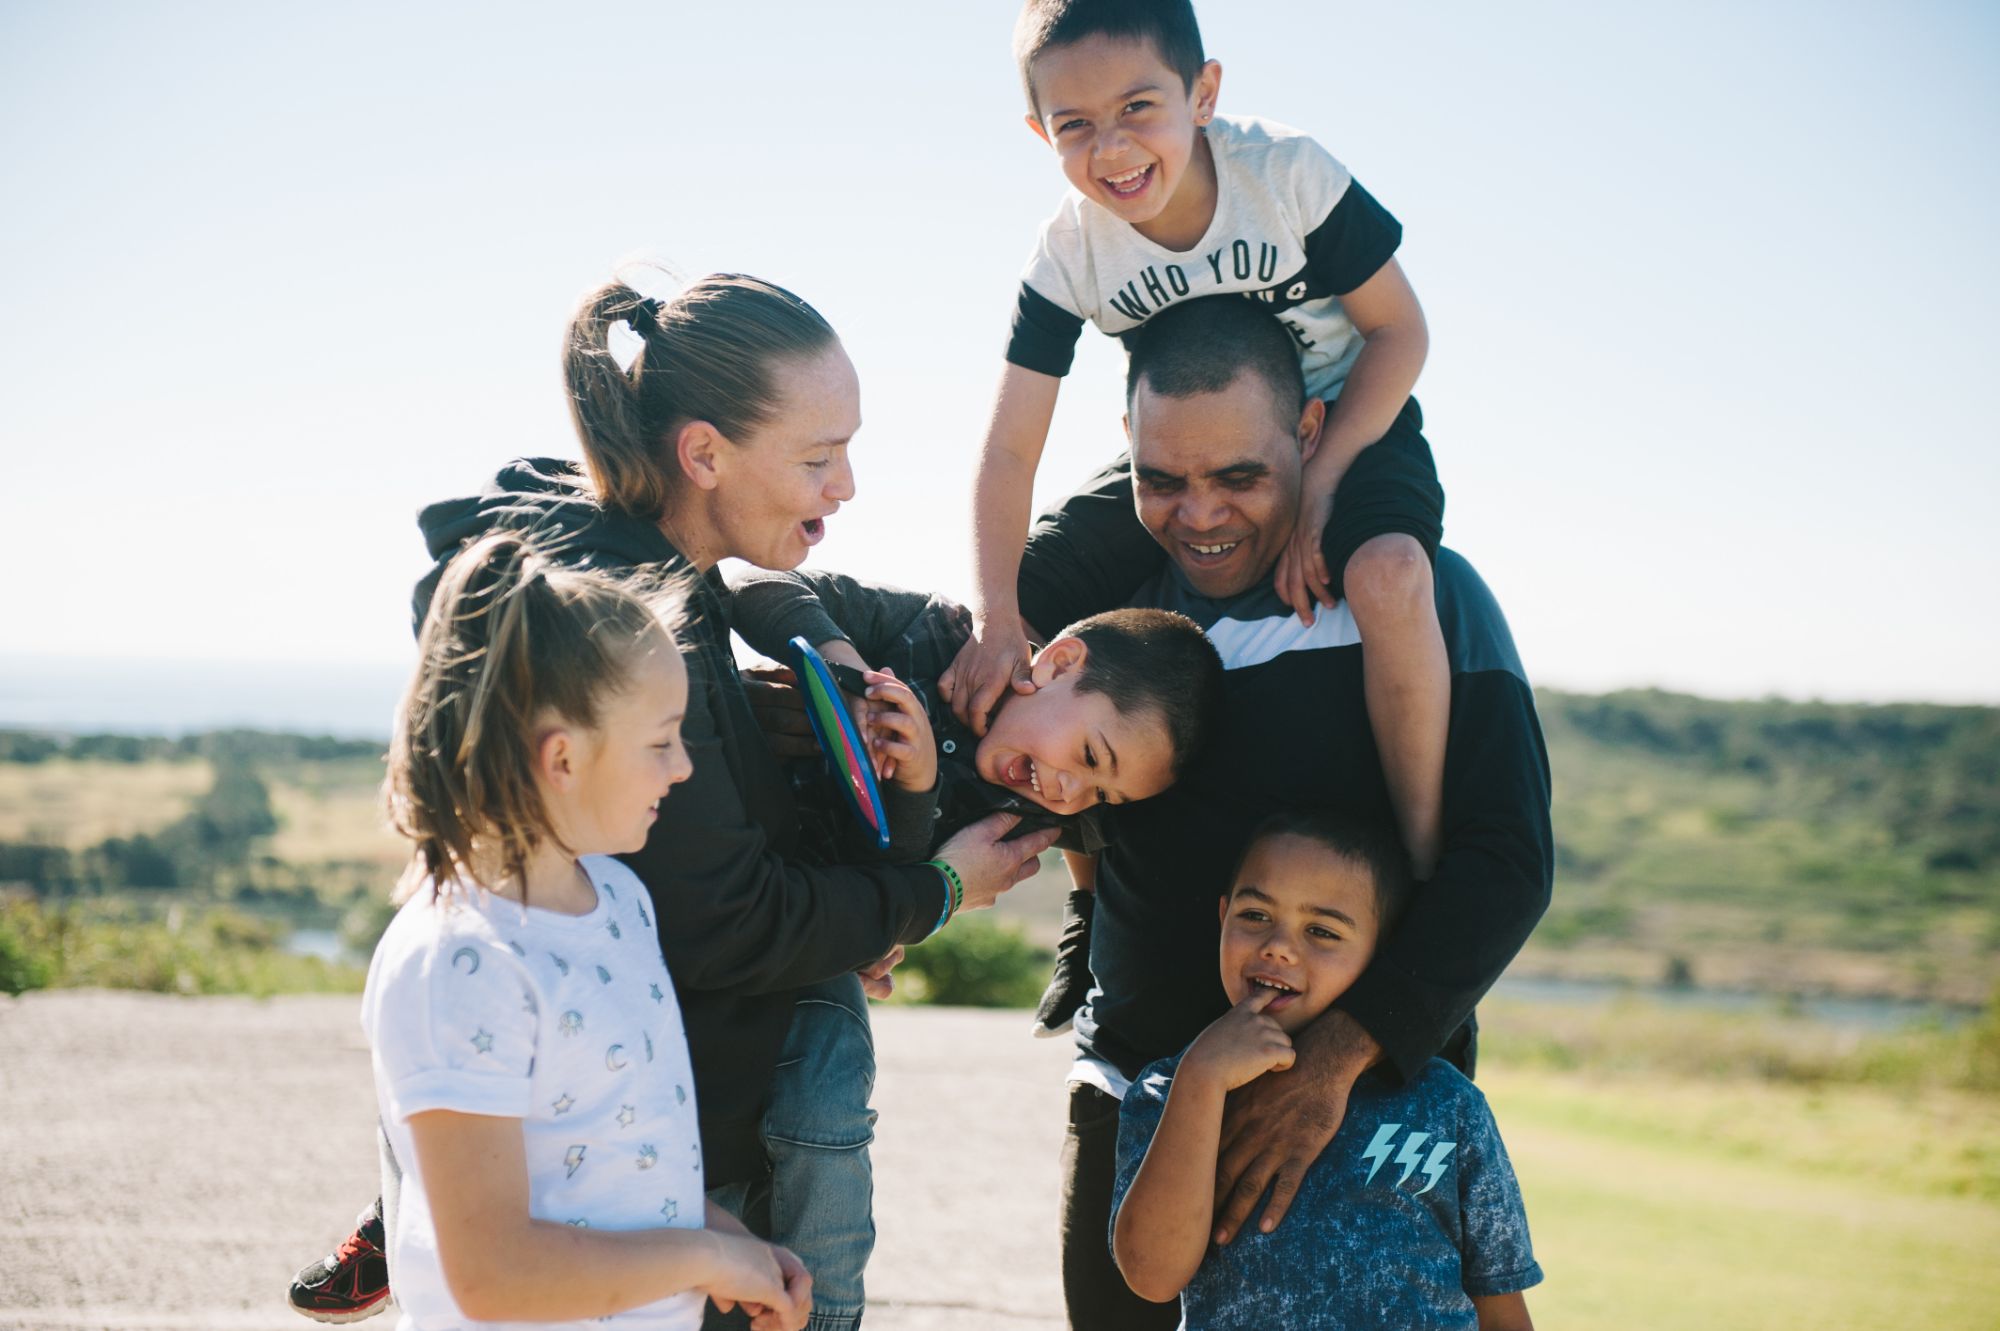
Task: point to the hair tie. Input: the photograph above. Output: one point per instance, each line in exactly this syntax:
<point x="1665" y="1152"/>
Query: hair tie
<point x="644" y="316"/>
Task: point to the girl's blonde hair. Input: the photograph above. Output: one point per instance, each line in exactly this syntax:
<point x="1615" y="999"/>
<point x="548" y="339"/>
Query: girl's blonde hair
<point x="705" y="355"/>
<point x="510" y="639"/>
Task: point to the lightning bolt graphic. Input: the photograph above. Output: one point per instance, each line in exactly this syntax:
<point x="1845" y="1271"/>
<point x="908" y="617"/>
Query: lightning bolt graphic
<point x="1378" y="1149"/>
<point x="575" y="1161"/>
<point x="1413" y="1151"/>
<point x="1434" y="1167"/>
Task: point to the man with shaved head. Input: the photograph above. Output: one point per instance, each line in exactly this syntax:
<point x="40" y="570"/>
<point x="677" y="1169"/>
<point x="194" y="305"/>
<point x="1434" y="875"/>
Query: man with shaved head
<point x="1220" y="427"/>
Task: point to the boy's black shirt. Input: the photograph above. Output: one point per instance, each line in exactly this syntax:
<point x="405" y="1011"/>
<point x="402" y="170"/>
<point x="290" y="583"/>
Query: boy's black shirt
<point x="916" y="636"/>
<point x="745" y="920"/>
<point x="1295" y="732"/>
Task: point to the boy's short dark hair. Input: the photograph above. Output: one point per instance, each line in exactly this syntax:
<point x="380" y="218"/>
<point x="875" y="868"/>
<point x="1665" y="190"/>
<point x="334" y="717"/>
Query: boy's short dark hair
<point x="1369" y="842"/>
<point x="1154" y="660"/>
<point x="1202" y="345"/>
<point x="1168" y="24"/>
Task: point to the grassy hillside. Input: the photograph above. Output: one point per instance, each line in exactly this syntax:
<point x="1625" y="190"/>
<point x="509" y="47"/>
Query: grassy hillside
<point x="1770" y="845"/>
<point x="1782" y="847"/>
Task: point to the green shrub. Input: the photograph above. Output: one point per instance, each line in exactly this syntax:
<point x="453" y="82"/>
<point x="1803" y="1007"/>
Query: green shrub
<point x="115" y="946"/>
<point x="977" y="963"/>
<point x="24" y="951"/>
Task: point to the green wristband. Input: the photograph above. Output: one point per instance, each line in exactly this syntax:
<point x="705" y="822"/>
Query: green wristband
<point x="954" y="891"/>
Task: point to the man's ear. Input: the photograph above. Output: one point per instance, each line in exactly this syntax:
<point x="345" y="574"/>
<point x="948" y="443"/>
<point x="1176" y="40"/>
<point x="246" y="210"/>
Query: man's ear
<point x="1312" y="421"/>
<point x="1062" y="657"/>
<point x="1041" y="130"/>
<point x="1222" y="909"/>
<point x="698" y="448"/>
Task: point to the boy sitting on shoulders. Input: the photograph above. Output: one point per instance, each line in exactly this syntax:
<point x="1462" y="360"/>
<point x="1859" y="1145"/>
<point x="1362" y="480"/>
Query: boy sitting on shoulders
<point x="1410" y="1219"/>
<point x="1171" y="202"/>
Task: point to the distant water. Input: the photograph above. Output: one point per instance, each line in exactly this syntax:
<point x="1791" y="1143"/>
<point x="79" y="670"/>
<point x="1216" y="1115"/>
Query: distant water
<point x="322" y="943"/>
<point x="139" y="697"/>
<point x="1861" y="1014"/>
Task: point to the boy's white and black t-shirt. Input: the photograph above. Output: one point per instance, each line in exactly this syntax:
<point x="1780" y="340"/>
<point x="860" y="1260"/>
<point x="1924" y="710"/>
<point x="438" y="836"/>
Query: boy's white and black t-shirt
<point x="568" y="1023"/>
<point x="1292" y="228"/>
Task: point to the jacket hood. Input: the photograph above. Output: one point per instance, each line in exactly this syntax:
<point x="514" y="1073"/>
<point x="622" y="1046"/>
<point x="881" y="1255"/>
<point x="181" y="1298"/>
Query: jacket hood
<point x="547" y="498"/>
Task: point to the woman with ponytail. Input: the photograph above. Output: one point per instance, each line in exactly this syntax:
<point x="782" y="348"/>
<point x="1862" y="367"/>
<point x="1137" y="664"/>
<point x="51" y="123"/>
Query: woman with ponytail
<point x="727" y="436"/>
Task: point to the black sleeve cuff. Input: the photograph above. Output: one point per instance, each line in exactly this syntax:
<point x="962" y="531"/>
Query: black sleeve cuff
<point x="912" y="819"/>
<point x="1044" y="334"/>
<point x="1354" y="241"/>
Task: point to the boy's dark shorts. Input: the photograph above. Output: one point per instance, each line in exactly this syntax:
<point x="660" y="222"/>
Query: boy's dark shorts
<point x="1392" y="486"/>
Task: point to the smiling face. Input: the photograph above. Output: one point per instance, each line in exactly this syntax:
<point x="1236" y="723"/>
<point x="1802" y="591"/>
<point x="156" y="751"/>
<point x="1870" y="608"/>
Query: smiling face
<point x="1127" y="131"/>
<point x="624" y="766"/>
<point x="1216" y="479"/>
<point x="1301" y="920"/>
<point x="1068" y="749"/>
<point x="772" y="492"/>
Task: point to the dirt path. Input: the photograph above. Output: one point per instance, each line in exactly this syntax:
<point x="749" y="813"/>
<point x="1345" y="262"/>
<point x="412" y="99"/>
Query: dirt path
<point x="167" y="1162"/>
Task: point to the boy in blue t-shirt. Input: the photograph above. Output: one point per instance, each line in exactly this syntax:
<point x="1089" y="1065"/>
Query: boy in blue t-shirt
<point x="1410" y="1219"/>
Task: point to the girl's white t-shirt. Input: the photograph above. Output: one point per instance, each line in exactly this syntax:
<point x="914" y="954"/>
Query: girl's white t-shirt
<point x="566" y="1022"/>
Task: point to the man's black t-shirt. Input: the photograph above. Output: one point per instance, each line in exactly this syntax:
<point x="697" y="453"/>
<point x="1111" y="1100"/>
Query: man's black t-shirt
<point x="1295" y="733"/>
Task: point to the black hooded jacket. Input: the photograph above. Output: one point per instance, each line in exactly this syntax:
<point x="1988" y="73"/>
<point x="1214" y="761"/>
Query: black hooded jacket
<point x="743" y="922"/>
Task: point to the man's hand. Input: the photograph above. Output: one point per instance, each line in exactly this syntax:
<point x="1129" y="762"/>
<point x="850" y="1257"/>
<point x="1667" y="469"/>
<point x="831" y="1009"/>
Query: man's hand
<point x="876" y="981"/>
<point x="780" y="709"/>
<point x="994" y="659"/>
<point x="1276" y="1126"/>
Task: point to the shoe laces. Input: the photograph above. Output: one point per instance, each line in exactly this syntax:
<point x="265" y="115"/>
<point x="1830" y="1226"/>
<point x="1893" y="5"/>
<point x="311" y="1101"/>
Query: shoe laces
<point x="353" y="1246"/>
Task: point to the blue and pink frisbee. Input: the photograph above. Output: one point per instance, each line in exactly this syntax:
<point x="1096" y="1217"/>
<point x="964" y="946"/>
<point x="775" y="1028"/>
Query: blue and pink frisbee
<point x="840" y="739"/>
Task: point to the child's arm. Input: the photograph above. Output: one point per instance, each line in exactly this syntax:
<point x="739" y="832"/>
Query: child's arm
<point x="1496" y="1253"/>
<point x="1082" y="870"/>
<point x="1002" y="497"/>
<point x="1384" y="310"/>
<point x="500" y="1264"/>
<point x="1503" y="1312"/>
<point x="1162" y="1229"/>
<point x="768" y="607"/>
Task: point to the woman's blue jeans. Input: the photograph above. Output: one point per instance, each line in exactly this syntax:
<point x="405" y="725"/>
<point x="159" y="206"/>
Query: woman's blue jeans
<point x="819" y="1198"/>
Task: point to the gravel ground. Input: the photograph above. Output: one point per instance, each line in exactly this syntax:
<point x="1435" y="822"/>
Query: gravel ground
<point x="168" y="1162"/>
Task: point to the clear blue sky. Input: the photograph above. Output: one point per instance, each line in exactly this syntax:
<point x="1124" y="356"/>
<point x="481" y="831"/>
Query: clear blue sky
<point x="1711" y="290"/>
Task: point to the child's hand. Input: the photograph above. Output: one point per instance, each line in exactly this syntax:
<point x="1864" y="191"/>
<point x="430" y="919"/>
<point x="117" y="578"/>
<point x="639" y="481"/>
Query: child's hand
<point x="1301" y="576"/>
<point x="798" y="1290"/>
<point x="1241" y="1045"/>
<point x="995" y="658"/>
<point x="877" y="977"/>
<point x="770" y="1283"/>
<point x="899" y="734"/>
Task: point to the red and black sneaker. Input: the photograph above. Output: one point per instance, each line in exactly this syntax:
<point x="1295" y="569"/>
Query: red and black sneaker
<point x="351" y="1282"/>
